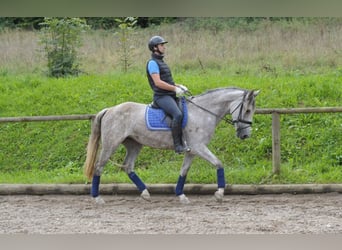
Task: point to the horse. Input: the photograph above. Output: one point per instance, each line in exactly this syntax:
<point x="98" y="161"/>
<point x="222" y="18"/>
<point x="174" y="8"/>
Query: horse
<point x="125" y="124"/>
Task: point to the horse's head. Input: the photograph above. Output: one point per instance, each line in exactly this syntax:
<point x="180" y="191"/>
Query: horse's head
<point x="242" y="111"/>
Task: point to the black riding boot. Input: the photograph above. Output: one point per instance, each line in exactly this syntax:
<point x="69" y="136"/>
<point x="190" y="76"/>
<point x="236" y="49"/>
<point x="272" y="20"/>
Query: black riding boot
<point x="176" y="130"/>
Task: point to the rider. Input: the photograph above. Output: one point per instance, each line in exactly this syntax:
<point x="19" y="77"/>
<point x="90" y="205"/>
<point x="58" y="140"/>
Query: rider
<point x="165" y="90"/>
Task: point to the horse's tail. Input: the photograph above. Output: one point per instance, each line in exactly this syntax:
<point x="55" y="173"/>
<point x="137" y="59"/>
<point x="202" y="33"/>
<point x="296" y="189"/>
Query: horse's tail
<point x="93" y="145"/>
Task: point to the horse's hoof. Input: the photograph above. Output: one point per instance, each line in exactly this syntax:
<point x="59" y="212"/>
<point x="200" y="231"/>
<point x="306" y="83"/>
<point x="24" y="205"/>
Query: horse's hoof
<point x="145" y="195"/>
<point x="219" y="196"/>
<point x="99" y="200"/>
<point x="183" y="199"/>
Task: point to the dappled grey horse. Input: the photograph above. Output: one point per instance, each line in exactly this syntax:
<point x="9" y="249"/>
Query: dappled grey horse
<point x="125" y="124"/>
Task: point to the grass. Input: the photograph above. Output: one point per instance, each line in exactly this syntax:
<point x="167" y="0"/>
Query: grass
<point x="294" y="66"/>
<point x="54" y="152"/>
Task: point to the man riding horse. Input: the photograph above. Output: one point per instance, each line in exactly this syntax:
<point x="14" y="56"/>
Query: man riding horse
<point x="110" y="128"/>
<point x="165" y="90"/>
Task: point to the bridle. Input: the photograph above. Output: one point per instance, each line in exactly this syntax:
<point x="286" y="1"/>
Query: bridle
<point x="239" y="119"/>
<point x="227" y="120"/>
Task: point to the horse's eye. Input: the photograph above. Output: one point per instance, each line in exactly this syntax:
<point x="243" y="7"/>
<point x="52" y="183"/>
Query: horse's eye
<point x="248" y="111"/>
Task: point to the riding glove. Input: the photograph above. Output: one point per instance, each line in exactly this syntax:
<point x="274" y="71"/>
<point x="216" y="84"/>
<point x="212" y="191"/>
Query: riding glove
<point x="179" y="91"/>
<point x="183" y="87"/>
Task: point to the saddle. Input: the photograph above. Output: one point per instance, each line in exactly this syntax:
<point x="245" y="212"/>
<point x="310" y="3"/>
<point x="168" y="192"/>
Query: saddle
<point x="157" y="119"/>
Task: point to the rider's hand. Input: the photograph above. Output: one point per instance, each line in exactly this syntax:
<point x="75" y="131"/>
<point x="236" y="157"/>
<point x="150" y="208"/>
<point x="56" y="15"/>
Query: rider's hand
<point x="179" y="91"/>
<point x="183" y="87"/>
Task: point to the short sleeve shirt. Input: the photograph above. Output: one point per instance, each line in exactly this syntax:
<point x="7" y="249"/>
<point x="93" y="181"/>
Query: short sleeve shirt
<point x="153" y="67"/>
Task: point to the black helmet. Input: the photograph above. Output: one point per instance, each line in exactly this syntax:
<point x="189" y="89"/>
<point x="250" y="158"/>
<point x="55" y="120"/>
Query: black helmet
<point x="154" y="41"/>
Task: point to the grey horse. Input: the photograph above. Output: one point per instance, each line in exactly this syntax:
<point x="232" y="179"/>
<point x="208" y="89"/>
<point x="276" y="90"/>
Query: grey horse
<point x="125" y="124"/>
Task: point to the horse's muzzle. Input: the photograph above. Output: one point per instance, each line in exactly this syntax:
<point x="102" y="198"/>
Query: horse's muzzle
<point x="244" y="137"/>
<point x="243" y="134"/>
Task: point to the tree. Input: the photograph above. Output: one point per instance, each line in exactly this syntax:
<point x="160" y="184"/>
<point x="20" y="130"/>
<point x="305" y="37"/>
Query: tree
<point x="126" y="25"/>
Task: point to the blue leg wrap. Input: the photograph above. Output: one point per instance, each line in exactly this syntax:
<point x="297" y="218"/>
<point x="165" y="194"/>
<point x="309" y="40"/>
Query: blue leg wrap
<point x="221" y="183"/>
<point x="95" y="186"/>
<point x="136" y="180"/>
<point x="180" y="185"/>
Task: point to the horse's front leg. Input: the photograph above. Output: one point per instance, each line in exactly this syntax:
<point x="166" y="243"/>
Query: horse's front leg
<point x="221" y="183"/>
<point x="206" y="154"/>
<point x="182" y="178"/>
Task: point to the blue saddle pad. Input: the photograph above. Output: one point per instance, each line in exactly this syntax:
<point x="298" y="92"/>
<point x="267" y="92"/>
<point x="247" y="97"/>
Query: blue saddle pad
<point x="156" y="118"/>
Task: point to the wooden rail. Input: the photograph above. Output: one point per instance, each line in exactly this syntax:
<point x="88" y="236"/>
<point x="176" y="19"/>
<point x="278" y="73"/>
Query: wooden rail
<point x="46" y="118"/>
<point x="275" y="112"/>
<point x="299" y="110"/>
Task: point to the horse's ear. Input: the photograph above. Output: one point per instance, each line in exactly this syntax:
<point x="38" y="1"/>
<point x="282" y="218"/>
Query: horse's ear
<point x="252" y="94"/>
<point x="255" y="92"/>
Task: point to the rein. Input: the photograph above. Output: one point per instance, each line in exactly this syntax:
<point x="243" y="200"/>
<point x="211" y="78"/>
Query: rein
<point x="227" y="120"/>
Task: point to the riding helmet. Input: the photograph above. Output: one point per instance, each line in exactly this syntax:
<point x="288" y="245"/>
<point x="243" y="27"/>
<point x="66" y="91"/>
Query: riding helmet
<point x="154" y="41"/>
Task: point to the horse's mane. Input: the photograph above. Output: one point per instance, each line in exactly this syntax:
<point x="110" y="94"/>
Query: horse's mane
<point x="219" y="89"/>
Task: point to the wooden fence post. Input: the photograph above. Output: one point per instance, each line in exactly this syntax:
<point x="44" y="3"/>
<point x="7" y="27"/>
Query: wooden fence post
<point x="276" y="142"/>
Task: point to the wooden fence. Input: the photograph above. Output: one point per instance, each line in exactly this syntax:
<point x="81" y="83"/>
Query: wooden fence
<point x="276" y="112"/>
<point x="276" y="127"/>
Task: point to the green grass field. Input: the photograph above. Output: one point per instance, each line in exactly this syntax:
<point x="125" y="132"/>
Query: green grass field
<point x="54" y="152"/>
<point x="287" y="64"/>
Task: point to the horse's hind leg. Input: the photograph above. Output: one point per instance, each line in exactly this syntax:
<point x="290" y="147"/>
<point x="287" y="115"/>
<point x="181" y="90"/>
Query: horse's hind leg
<point x="106" y="151"/>
<point x="132" y="150"/>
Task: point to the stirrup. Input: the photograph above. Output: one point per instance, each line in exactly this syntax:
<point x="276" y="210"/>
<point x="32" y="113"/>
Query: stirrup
<point x="182" y="149"/>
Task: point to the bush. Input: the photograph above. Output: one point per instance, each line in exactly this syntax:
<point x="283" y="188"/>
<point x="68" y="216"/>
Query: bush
<point x="61" y="38"/>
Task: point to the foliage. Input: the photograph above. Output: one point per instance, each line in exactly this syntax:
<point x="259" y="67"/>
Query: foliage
<point x="28" y="23"/>
<point x="61" y="38"/>
<point x="96" y="23"/>
<point x="108" y="23"/>
<point x="194" y="23"/>
<point x="217" y="24"/>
